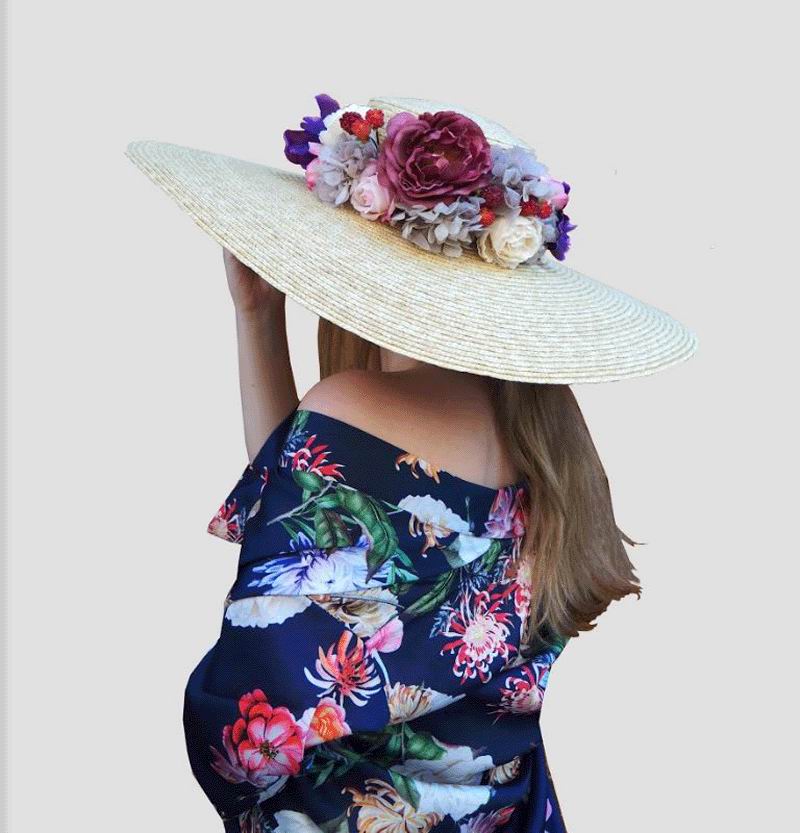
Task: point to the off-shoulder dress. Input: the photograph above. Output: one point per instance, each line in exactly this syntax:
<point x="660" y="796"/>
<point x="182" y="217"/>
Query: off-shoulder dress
<point x="370" y="674"/>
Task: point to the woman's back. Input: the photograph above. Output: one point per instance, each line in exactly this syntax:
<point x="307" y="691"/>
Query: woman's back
<point x="443" y="416"/>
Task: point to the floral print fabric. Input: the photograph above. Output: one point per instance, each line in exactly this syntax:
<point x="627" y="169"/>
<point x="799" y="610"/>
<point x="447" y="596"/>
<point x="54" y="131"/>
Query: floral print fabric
<point x="371" y="673"/>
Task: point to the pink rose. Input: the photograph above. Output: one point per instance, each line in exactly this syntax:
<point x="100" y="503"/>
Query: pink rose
<point x="312" y="173"/>
<point x="369" y="198"/>
<point x="557" y="195"/>
<point x="433" y="157"/>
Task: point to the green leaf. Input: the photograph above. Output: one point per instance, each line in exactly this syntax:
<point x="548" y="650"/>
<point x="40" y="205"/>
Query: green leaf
<point x="306" y="528"/>
<point x="433" y="599"/>
<point x="403" y="581"/>
<point x="423" y="747"/>
<point x="394" y="746"/>
<point x="330" y="530"/>
<point x="403" y="558"/>
<point x="330" y="500"/>
<point x="489" y="558"/>
<point x="369" y="513"/>
<point x="324" y="772"/>
<point x="308" y="481"/>
<point x="376" y="739"/>
<point x="288" y="528"/>
<point x="337" y="825"/>
<point x="406" y="788"/>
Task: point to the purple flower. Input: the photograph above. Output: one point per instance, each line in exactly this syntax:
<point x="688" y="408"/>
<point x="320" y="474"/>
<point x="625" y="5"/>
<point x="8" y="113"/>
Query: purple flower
<point x="560" y="245"/>
<point x="296" y="141"/>
<point x="433" y="157"/>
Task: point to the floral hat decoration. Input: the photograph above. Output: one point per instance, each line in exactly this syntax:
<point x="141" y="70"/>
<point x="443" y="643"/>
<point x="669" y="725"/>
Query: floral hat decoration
<point x="436" y="178"/>
<point x="427" y="230"/>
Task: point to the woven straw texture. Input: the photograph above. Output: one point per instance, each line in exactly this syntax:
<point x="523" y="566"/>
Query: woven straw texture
<point x="536" y="323"/>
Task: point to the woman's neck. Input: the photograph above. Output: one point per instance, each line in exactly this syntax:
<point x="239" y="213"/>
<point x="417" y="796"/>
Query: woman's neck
<point x="392" y="362"/>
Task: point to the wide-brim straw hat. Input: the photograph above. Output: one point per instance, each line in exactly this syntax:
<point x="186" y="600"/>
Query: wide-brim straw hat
<point x="540" y="322"/>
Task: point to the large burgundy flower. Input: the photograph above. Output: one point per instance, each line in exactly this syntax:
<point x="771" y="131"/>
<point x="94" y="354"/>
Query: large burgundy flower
<point x="433" y="157"/>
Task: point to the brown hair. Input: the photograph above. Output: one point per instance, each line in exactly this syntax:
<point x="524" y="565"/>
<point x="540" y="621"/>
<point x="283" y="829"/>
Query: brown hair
<point x="573" y="547"/>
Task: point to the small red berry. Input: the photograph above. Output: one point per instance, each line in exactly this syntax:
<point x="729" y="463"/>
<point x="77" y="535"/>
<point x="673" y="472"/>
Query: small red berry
<point x="361" y="129"/>
<point x="487" y="216"/>
<point x="348" y="119"/>
<point x="492" y="196"/>
<point x="528" y="208"/>
<point x="545" y="210"/>
<point x="375" y="117"/>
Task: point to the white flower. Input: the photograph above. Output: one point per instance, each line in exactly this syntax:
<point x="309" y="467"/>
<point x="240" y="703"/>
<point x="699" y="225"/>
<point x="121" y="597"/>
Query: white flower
<point x="504" y="773"/>
<point x="262" y="611"/>
<point x="333" y="130"/>
<point x="315" y="571"/>
<point x="435" y="513"/>
<point x="510" y="240"/>
<point x="290" y="821"/>
<point x="451" y="785"/>
<point x="466" y="548"/>
<point x="457" y="766"/>
<point x="407" y="702"/>
<point x="364" y="614"/>
<point x="455" y="800"/>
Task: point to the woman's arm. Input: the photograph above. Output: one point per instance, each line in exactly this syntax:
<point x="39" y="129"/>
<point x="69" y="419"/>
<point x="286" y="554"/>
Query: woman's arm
<point x="266" y="379"/>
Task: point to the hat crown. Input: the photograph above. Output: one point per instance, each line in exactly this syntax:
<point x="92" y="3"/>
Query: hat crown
<point x="494" y="132"/>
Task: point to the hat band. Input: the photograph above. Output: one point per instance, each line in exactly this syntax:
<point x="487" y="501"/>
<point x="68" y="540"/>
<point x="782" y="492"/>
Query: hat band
<point x="436" y="178"/>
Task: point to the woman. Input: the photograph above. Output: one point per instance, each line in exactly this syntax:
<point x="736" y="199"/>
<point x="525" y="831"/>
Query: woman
<point x="419" y="538"/>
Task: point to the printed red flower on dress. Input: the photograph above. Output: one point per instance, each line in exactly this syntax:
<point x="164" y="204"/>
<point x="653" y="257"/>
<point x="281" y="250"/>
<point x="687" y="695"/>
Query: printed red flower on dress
<point x="345" y="670"/>
<point x="267" y="738"/>
<point x="264" y="743"/>
<point x="481" y="629"/>
<point x="227" y="523"/>
<point x="314" y="458"/>
<point x="522" y="694"/>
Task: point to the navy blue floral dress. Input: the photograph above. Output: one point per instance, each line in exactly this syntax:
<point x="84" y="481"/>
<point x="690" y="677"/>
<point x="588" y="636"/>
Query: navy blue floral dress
<point x="369" y="674"/>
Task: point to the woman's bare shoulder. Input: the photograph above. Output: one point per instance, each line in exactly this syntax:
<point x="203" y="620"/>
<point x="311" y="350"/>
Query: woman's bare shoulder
<point x="379" y="403"/>
<point x="388" y="405"/>
<point x="360" y="397"/>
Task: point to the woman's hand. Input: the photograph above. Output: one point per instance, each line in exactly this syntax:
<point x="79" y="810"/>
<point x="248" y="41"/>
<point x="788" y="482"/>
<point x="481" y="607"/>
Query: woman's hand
<point x="249" y="291"/>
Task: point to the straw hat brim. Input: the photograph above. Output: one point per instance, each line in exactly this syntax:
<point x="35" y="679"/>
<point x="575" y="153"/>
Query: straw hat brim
<point x="536" y="323"/>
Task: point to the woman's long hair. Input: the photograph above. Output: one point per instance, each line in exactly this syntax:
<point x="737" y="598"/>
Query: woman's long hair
<point x="572" y="546"/>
